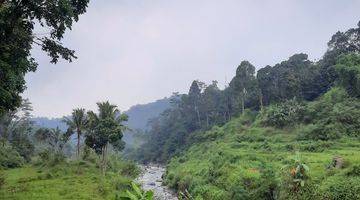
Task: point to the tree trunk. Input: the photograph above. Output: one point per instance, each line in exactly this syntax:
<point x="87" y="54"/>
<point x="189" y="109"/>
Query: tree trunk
<point x="104" y="163"/>
<point x="78" y="143"/>
<point x="207" y="119"/>
<point x="242" y="104"/>
<point x="261" y="101"/>
<point x="198" y="115"/>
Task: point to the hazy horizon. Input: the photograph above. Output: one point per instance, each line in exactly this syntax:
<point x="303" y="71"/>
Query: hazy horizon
<point x="135" y="52"/>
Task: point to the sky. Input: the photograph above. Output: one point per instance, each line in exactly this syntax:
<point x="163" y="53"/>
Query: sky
<point x="137" y="51"/>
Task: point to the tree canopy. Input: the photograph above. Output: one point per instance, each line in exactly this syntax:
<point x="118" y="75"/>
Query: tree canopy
<point x="18" y="20"/>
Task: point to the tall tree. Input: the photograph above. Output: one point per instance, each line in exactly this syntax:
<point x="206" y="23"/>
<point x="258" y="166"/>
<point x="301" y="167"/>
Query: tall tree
<point x="340" y="43"/>
<point x="194" y="97"/>
<point x="77" y="123"/>
<point x="348" y="68"/>
<point x="17" y="36"/>
<point x="242" y="82"/>
<point x="104" y="128"/>
<point x="16" y="128"/>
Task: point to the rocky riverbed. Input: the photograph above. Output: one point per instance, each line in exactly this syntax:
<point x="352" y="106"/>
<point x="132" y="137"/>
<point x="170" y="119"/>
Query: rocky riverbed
<point x="151" y="179"/>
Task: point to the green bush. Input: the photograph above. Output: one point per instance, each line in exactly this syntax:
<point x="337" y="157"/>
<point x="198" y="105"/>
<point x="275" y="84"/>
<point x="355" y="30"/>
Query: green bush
<point x="285" y="114"/>
<point x="354" y="171"/>
<point x="334" y="115"/>
<point x="340" y="188"/>
<point x="135" y="194"/>
<point x="210" y="192"/>
<point x="50" y="158"/>
<point x="315" y="146"/>
<point x="2" y="179"/>
<point x="130" y="169"/>
<point x="320" y="131"/>
<point x="9" y="157"/>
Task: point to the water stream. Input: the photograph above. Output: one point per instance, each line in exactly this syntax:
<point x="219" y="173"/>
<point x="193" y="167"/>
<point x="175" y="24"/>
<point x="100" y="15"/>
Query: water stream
<point x="151" y="179"/>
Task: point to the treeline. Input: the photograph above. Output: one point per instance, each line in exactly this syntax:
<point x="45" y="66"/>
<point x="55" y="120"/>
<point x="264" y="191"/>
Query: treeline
<point x="21" y="140"/>
<point x="296" y="78"/>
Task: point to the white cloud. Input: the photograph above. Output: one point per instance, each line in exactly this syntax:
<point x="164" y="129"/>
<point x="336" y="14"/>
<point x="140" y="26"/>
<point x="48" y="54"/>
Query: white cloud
<point x="138" y="51"/>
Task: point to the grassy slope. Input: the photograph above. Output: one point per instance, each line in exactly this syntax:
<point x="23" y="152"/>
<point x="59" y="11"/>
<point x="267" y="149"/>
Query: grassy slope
<point x="75" y="180"/>
<point x="231" y="159"/>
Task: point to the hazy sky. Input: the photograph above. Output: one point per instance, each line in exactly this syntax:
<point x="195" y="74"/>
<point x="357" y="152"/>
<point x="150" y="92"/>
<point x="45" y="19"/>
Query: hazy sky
<point x="137" y="51"/>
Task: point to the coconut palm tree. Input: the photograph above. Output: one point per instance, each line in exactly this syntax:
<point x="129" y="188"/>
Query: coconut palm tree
<point x="76" y="123"/>
<point x="105" y="127"/>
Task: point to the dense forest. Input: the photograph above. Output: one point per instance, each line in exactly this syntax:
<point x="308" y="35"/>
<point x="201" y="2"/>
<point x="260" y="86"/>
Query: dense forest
<point x="272" y="91"/>
<point x="287" y="131"/>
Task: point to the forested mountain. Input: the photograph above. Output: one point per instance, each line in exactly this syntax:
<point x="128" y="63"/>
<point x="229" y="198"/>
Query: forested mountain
<point x="246" y="141"/>
<point x="139" y="115"/>
<point x="296" y="78"/>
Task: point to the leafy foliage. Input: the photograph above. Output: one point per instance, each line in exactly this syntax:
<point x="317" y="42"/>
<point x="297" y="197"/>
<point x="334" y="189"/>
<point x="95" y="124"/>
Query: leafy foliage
<point x="105" y="128"/>
<point x="348" y="68"/>
<point x="9" y="157"/>
<point x="17" y="22"/>
<point x="78" y="123"/>
<point x="284" y="114"/>
<point x="54" y="138"/>
<point x="136" y="194"/>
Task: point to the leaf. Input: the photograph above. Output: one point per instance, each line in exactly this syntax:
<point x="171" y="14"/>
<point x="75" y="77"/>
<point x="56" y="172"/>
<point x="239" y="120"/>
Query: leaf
<point x="131" y="195"/>
<point x="305" y="167"/>
<point x="302" y="183"/>
<point x="136" y="189"/>
<point x="149" y="195"/>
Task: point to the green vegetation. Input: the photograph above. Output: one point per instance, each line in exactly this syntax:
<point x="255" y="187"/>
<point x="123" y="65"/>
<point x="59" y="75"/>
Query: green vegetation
<point x="282" y="88"/>
<point x="136" y="194"/>
<point x="289" y="132"/>
<point x="55" y="178"/>
<point x="17" y="22"/>
<point x="247" y="160"/>
<point x="48" y="172"/>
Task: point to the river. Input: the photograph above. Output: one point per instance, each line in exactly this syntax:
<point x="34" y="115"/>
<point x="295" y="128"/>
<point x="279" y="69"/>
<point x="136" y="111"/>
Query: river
<point x="151" y="179"/>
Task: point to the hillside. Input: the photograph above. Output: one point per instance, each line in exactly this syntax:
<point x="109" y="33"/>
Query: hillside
<point x="296" y="161"/>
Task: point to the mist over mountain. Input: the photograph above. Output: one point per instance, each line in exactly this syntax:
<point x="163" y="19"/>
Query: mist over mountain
<point x="50" y="122"/>
<point x="139" y="115"/>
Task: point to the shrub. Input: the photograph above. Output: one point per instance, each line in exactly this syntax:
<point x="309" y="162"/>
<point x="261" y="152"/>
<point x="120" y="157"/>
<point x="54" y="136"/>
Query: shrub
<point x="284" y="114"/>
<point x="315" y="146"/>
<point x="9" y="157"/>
<point x="2" y="179"/>
<point x="49" y="158"/>
<point x="294" y="177"/>
<point x="340" y="188"/>
<point x="129" y="169"/>
<point x="320" y="131"/>
<point x="210" y="192"/>
<point x="354" y="171"/>
<point x="136" y="194"/>
<point x="89" y="155"/>
<point x="335" y="114"/>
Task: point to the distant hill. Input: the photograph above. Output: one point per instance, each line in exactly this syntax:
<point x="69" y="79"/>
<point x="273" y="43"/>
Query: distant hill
<point x="50" y="122"/>
<point x="139" y="116"/>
